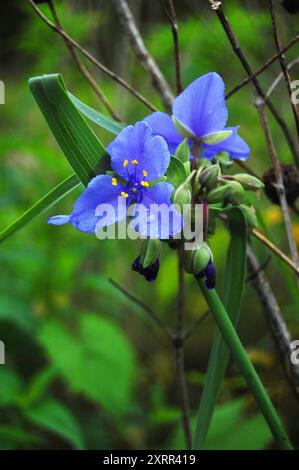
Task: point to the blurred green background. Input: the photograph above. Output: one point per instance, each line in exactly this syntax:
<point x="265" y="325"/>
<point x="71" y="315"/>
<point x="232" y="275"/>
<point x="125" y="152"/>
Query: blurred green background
<point x="85" y="367"/>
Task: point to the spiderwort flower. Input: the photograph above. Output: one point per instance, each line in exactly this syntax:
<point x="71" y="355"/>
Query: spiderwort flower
<point x="138" y="158"/>
<point x="200" y="111"/>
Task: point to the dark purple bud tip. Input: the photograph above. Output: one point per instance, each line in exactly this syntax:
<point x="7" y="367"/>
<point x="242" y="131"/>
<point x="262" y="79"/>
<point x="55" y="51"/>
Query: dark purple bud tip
<point x="150" y="273"/>
<point x="209" y="273"/>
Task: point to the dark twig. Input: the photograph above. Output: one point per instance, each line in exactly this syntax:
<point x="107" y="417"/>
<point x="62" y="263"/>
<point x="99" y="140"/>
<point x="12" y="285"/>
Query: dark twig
<point x="283" y="65"/>
<point x="145" y="58"/>
<point x="280" y="77"/>
<point x="179" y="347"/>
<point x="83" y="69"/>
<point x="147" y="309"/>
<point x="240" y="54"/>
<point x="261" y="237"/>
<point x="92" y="59"/>
<point x="279" y="182"/>
<point x="275" y="320"/>
<point x="171" y="16"/>
<point x="195" y="325"/>
<point x="264" y="67"/>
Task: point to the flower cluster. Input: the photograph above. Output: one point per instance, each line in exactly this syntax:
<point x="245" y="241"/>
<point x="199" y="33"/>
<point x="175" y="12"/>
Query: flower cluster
<point x="140" y="158"/>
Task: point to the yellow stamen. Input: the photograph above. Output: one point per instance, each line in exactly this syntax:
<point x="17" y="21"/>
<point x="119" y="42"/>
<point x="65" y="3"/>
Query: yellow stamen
<point x="145" y="183"/>
<point x="125" y="163"/>
<point x="134" y="162"/>
<point x="124" y="194"/>
<point x="114" y="182"/>
<point x="144" y="172"/>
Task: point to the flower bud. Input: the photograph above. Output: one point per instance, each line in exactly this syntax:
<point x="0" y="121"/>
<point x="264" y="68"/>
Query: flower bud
<point x="201" y="258"/>
<point x="250" y="215"/>
<point x="236" y="192"/>
<point x="248" y="181"/>
<point x="182" y="195"/>
<point x="150" y="251"/>
<point x="219" y="194"/>
<point x="209" y="175"/>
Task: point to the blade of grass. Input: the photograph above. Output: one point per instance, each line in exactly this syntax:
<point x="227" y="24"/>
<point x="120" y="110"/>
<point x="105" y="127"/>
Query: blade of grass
<point x="98" y="118"/>
<point x="54" y="196"/>
<point x="232" y="299"/>
<point x="78" y="142"/>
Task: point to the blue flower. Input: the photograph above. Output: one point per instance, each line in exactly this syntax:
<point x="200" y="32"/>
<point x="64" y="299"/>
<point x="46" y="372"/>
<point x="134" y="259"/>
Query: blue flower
<point x="201" y="110"/>
<point x="209" y="273"/>
<point x="150" y="273"/>
<point x="138" y="158"/>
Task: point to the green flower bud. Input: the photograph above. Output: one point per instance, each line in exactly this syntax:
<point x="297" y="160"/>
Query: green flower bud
<point x="209" y="175"/>
<point x="182" y="195"/>
<point x="250" y="215"/>
<point x="219" y="194"/>
<point x="248" y="181"/>
<point x="150" y="251"/>
<point x="236" y="192"/>
<point x="204" y="162"/>
<point x="188" y="261"/>
<point x="201" y="258"/>
<point x="223" y="159"/>
<point x="216" y="137"/>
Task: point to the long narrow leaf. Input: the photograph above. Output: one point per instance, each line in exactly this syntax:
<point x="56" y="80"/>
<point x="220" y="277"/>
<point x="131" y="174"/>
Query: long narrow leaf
<point x="98" y="118"/>
<point x="232" y="299"/>
<point x="78" y="142"/>
<point x="55" y="195"/>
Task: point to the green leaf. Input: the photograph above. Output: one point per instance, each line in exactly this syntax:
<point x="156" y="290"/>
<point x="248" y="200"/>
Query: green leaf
<point x="78" y="142"/>
<point x="55" y="417"/>
<point x="98" y="118"/>
<point x="176" y="172"/>
<point x="11" y="386"/>
<point x="54" y="196"/>
<point x="97" y="360"/>
<point x="232" y="299"/>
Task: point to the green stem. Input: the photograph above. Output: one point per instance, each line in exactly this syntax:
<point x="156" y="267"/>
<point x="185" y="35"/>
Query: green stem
<point x="248" y="371"/>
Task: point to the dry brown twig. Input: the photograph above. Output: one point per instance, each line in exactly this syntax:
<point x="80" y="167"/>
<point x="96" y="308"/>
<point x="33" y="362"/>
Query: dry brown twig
<point x="92" y="59"/>
<point x="145" y="58"/>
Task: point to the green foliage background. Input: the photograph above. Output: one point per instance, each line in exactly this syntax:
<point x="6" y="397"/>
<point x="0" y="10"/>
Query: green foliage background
<point x="85" y="368"/>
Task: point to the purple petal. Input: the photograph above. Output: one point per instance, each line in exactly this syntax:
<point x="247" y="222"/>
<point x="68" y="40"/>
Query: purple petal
<point x="155" y="226"/>
<point x="162" y="124"/>
<point x="59" y="219"/>
<point x="99" y="191"/>
<point x="234" y="145"/>
<point x="138" y="143"/>
<point x="201" y="106"/>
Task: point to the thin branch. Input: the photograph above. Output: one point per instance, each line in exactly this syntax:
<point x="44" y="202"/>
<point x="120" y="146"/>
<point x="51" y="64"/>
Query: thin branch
<point x="83" y="69"/>
<point x="145" y="58"/>
<point x="195" y="325"/>
<point x="275" y="320"/>
<point x="179" y="348"/>
<point x="147" y="309"/>
<point x="283" y="65"/>
<point x="279" y="182"/>
<point x="171" y="16"/>
<point x="92" y="59"/>
<point x="264" y="67"/>
<point x="280" y="77"/>
<point x="240" y="54"/>
<point x="261" y="237"/>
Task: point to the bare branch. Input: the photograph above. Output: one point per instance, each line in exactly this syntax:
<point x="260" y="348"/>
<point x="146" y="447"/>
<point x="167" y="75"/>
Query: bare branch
<point x="261" y="237"/>
<point x="171" y="16"/>
<point x="275" y="320"/>
<point x="195" y="325"/>
<point x="283" y="65"/>
<point x="147" y="309"/>
<point x="92" y="59"/>
<point x="280" y="77"/>
<point x="264" y="67"/>
<point x="83" y="69"/>
<point x="241" y="56"/>
<point x="147" y="61"/>
<point x="279" y="182"/>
